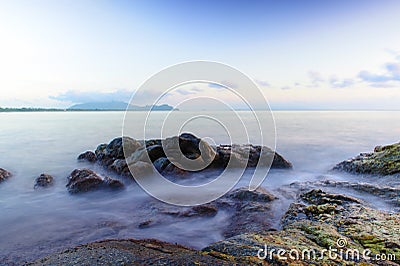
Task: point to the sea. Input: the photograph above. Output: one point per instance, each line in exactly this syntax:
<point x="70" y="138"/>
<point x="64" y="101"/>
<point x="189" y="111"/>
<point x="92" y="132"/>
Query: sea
<point x="34" y="223"/>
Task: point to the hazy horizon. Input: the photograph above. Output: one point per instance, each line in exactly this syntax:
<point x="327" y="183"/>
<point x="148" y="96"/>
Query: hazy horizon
<point x="338" y="55"/>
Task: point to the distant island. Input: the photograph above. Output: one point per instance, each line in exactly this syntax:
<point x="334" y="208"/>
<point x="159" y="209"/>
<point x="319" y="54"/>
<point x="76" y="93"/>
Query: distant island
<point x="95" y="106"/>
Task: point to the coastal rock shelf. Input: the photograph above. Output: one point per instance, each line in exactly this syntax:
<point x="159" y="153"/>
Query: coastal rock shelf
<point x="314" y="222"/>
<point x="385" y="160"/>
<point x="123" y="152"/>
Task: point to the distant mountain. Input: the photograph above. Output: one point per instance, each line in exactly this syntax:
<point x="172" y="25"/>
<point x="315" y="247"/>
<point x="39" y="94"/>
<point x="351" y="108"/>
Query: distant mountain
<point x="118" y="106"/>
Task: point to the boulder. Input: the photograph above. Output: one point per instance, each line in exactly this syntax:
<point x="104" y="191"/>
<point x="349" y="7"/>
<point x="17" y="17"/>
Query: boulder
<point x="84" y="180"/>
<point x="87" y="156"/>
<point x="4" y="175"/>
<point x="44" y="180"/>
<point x="160" y="164"/>
<point x="385" y="160"/>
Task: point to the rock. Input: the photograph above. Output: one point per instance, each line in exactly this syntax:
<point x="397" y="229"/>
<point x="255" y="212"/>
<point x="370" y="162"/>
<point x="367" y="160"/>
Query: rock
<point x="106" y="154"/>
<point x="4" y="175"/>
<point x="248" y="156"/>
<point x="243" y="194"/>
<point x="113" y="183"/>
<point x="318" y="221"/>
<point x="44" y="180"/>
<point x="383" y="161"/>
<point x="161" y="163"/>
<point x="119" y="166"/>
<point x="174" y="171"/>
<point x="202" y="210"/>
<point x="83" y="180"/>
<point x="115" y="148"/>
<point x="141" y="169"/>
<point x="87" y="156"/>
<point x="130" y="252"/>
<point x="175" y="149"/>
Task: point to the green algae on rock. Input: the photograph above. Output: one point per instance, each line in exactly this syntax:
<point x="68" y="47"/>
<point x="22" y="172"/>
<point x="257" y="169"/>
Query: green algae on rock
<point x="385" y="160"/>
<point x="316" y="223"/>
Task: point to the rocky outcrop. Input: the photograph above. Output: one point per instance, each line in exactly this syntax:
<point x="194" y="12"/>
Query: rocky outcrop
<point x="44" y="180"/>
<point x="319" y="221"/>
<point x="179" y="148"/>
<point x="385" y="160"/>
<point x="4" y="175"/>
<point x="84" y="180"/>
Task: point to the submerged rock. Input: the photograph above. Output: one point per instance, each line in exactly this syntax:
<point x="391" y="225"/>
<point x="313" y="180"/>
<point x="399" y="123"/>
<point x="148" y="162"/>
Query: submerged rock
<point x="4" y="175"/>
<point x="44" y="180"/>
<point x="383" y="161"/>
<point x="83" y="180"/>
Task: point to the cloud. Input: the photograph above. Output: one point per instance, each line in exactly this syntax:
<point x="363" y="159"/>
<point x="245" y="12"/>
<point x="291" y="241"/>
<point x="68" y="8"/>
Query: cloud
<point x="390" y="73"/>
<point x="286" y="88"/>
<point x="82" y="97"/>
<point x="262" y="83"/>
<point x="188" y="91"/>
<point x="340" y="83"/>
<point x="316" y="78"/>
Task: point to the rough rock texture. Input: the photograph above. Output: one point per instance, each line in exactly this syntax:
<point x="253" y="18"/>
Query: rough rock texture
<point x="87" y="156"/>
<point x="316" y="222"/>
<point x="185" y="146"/>
<point x="383" y="161"/>
<point x="130" y="252"/>
<point x="249" y="155"/>
<point x="83" y="180"/>
<point x="4" y="175"/>
<point x="44" y="180"/>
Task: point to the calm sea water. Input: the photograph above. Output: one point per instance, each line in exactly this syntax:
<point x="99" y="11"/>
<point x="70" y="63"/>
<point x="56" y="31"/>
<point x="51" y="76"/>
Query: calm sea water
<point x="35" y="223"/>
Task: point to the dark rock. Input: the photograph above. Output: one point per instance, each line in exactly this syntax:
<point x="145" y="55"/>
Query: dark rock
<point x="4" y="175"/>
<point x="243" y="194"/>
<point x="87" y="156"/>
<point x="44" y="180"/>
<point x="160" y="164"/>
<point x="83" y="180"/>
<point x="202" y="210"/>
<point x="106" y="154"/>
<point x="383" y="161"/>
<point x="119" y="166"/>
<point x="248" y="156"/>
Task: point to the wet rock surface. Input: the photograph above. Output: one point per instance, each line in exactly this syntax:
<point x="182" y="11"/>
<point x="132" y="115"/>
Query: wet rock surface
<point x="84" y="180"/>
<point x="130" y="252"/>
<point x="385" y="160"/>
<point x="4" y="175"/>
<point x="316" y="222"/>
<point x="178" y="148"/>
<point x="87" y="156"/>
<point x="44" y="180"/>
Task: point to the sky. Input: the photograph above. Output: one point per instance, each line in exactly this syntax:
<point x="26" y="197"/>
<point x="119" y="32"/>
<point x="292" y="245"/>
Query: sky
<point x="303" y="54"/>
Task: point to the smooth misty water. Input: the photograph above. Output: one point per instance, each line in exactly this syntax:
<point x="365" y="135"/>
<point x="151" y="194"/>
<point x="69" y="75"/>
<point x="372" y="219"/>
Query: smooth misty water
<point x="34" y="223"/>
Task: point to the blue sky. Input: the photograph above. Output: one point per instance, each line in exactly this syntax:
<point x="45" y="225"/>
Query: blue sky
<point x="303" y="54"/>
